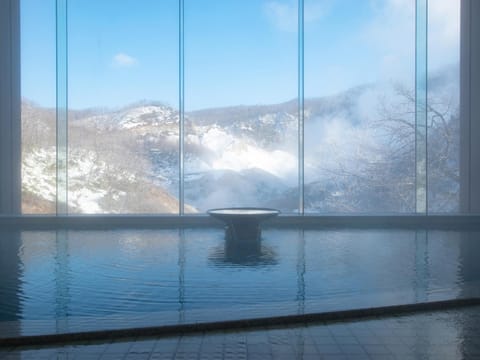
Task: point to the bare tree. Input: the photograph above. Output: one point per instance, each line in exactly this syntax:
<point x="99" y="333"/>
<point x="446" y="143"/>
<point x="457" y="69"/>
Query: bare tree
<point x="383" y="176"/>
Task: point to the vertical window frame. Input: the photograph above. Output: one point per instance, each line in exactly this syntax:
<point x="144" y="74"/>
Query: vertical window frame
<point x="10" y="108"/>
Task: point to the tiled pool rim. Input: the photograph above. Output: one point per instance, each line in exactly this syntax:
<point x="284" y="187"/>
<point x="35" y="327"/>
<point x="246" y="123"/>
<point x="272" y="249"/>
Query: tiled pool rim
<point x="202" y="327"/>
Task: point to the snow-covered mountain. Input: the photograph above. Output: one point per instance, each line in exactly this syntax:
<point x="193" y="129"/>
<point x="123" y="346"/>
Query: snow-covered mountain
<point x="359" y="154"/>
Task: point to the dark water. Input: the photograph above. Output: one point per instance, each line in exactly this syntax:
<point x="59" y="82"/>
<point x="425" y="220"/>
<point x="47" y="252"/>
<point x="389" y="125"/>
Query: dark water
<point x="48" y="275"/>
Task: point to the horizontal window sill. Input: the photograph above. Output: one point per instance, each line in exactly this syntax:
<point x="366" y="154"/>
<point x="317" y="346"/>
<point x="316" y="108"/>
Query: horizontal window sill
<point x="431" y="221"/>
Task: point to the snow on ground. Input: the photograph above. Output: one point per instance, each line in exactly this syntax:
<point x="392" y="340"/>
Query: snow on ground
<point x="86" y="184"/>
<point x="87" y="178"/>
<point x="39" y="173"/>
<point x="136" y="117"/>
<point x="86" y="200"/>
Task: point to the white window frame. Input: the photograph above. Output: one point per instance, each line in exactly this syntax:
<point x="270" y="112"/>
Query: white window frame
<point x="470" y="107"/>
<point x="10" y="108"/>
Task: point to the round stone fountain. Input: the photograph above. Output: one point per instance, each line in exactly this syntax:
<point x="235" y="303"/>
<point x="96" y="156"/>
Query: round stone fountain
<point x="243" y="223"/>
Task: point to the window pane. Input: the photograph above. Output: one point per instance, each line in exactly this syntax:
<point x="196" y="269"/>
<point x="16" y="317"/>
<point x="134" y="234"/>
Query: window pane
<point x="241" y="107"/>
<point x="38" y="106"/>
<point x="443" y="110"/>
<point x="123" y="96"/>
<point x="359" y="106"/>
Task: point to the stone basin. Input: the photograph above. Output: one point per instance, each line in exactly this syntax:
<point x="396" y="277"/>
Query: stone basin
<point x="243" y="223"/>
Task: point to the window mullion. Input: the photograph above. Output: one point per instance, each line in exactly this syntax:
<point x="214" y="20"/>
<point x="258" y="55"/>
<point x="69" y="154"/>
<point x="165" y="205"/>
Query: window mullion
<point x="421" y="107"/>
<point x="181" y="107"/>
<point x="62" y="106"/>
<point x="301" y="108"/>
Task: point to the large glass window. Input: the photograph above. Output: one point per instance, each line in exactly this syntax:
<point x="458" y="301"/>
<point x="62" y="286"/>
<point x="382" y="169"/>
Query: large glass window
<point x="120" y="105"/>
<point x="38" y="111"/>
<point x="443" y="106"/>
<point x="360" y="107"/>
<point x="241" y="107"/>
<point x="122" y="95"/>
<point x="180" y="106"/>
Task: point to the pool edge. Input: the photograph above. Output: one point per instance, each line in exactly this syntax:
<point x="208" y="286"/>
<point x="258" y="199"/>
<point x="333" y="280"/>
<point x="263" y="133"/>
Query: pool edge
<point x="191" y="328"/>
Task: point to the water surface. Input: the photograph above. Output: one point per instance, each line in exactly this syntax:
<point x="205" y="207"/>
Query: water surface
<point x="151" y="277"/>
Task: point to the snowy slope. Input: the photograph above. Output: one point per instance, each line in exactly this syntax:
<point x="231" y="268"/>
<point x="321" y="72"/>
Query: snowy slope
<point x="358" y="153"/>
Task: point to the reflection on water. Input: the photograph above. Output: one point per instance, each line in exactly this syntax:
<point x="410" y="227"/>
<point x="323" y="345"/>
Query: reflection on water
<point x="421" y="265"/>
<point x="243" y="251"/>
<point x="65" y="274"/>
<point x="11" y="277"/>
<point x="62" y="280"/>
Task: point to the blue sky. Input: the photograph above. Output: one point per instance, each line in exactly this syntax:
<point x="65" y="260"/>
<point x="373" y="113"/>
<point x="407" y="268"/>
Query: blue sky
<point x="236" y="52"/>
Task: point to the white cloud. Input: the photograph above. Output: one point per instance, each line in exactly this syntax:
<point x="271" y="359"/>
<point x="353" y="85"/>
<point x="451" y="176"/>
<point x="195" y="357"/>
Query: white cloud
<point x="390" y="34"/>
<point x="124" y="60"/>
<point x="316" y="9"/>
<point x="283" y="14"/>
<point x="444" y="30"/>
